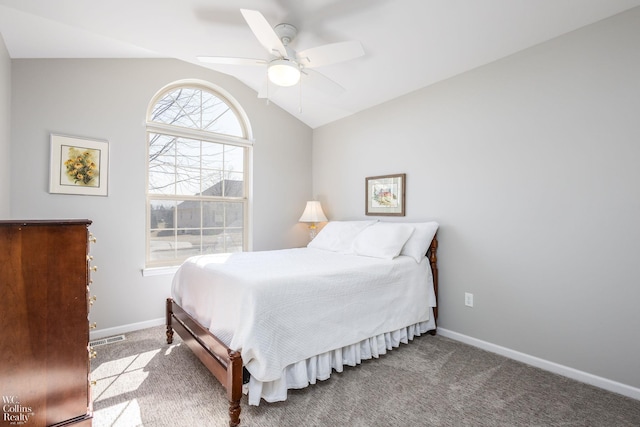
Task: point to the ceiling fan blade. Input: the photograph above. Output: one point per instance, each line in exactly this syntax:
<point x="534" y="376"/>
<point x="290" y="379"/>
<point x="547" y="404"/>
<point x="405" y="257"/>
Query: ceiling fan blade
<point x="322" y="83"/>
<point x="231" y="61"/>
<point x="263" y="32"/>
<point x="330" y="54"/>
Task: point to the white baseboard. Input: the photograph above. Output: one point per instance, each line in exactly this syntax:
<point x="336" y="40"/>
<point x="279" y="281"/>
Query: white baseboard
<point x="616" y="387"/>
<point x="108" y="332"/>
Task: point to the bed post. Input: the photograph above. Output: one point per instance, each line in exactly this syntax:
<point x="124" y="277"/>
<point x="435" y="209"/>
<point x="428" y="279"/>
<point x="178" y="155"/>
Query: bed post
<point x="234" y="387"/>
<point x="433" y="260"/>
<point x="169" y="315"/>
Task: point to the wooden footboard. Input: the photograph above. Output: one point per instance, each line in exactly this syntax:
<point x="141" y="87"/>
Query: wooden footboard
<point x="224" y="363"/>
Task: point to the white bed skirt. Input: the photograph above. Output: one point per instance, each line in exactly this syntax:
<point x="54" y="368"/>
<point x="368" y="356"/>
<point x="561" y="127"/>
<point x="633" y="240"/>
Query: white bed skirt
<point x="306" y="372"/>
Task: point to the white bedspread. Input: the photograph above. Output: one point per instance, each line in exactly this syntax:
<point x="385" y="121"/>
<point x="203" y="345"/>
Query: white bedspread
<point x="282" y="307"/>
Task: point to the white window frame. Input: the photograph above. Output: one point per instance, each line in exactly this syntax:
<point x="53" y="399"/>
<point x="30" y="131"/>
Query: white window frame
<point x="246" y="142"/>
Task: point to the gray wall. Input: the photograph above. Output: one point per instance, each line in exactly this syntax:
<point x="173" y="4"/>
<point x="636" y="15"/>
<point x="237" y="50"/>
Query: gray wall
<point x="108" y="99"/>
<point x="531" y="166"/>
<point x="5" y="128"/>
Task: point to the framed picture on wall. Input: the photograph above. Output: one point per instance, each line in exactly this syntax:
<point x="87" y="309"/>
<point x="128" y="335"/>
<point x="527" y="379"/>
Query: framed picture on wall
<point x="79" y="166"/>
<point x="385" y="195"/>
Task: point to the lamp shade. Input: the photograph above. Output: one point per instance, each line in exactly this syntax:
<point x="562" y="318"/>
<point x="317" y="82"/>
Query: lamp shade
<point x="313" y="212"/>
<point x="284" y="73"/>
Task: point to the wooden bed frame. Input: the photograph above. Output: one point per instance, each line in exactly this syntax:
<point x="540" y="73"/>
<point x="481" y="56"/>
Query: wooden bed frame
<point x="226" y="364"/>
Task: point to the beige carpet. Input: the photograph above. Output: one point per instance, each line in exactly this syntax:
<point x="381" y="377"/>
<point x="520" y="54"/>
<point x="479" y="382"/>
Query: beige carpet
<point x="433" y="381"/>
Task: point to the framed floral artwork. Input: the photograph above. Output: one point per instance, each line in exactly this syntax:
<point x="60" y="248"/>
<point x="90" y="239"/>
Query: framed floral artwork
<point x="385" y="195"/>
<point x="79" y="166"/>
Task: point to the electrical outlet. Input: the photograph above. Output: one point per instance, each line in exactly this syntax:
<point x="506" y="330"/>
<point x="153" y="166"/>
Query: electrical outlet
<point x="468" y="299"/>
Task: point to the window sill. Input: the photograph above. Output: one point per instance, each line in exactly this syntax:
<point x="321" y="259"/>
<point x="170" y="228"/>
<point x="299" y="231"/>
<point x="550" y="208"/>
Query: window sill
<point x="159" y="271"/>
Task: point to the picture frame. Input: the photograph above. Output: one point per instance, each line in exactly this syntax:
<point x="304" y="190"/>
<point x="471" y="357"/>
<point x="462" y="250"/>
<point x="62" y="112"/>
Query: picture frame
<point x="385" y="195"/>
<point x="79" y="166"/>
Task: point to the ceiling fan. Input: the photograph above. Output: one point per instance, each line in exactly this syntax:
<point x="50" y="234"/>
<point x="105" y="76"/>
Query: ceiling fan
<point x="285" y="66"/>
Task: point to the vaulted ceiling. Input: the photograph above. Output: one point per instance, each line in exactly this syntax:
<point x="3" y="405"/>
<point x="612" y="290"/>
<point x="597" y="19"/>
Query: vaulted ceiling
<point x="408" y="44"/>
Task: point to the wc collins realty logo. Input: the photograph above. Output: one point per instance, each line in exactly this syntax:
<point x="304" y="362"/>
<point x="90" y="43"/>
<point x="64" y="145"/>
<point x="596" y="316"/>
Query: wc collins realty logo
<point x="13" y="412"/>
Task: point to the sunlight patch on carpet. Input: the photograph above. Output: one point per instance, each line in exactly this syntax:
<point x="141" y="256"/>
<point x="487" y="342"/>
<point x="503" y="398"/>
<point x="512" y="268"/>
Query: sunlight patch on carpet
<point x="121" y="376"/>
<point x="125" y="414"/>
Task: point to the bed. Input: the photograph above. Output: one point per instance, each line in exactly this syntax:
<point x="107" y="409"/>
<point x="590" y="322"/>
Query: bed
<point x="268" y="321"/>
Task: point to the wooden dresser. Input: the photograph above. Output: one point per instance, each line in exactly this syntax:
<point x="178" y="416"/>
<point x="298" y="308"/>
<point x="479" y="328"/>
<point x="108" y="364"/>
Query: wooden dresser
<point x="44" y="352"/>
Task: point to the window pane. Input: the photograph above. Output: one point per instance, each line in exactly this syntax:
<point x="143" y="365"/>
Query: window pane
<point x="189" y="214"/>
<point x="215" y="241"/>
<point x="161" y="247"/>
<point x="186" y="113"/>
<point x="188" y="244"/>
<point x="229" y="124"/>
<point x="234" y="185"/>
<point x="234" y="240"/>
<point x="212" y="183"/>
<point x="222" y="240"/>
<point x="218" y="117"/>
<point x="162" y="181"/>
<point x="212" y="155"/>
<point x="197" y="109"/>
<point x="234" y="215"/>
<point x="212" y="109"/>
<point x="233" y="158"/>
<point x="212" y="163"/>
<point x="161" y="164"/>
<point x="162" y="148"/>
<point x="190" y="100"/>
<point x="212" y="214"/>
<point x="161" y="233"/>
<point x="188" y="167"/>
<point x="188" y="153"/>
<point x="187" y="181"/>
<point x="166" y="110"/>
<point x="162" y="214"/>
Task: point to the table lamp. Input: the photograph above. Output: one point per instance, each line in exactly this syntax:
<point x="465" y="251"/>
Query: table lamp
<point x="312" y="214"/>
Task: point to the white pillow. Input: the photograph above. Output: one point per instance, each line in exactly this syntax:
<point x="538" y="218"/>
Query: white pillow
<point x="382" y="240"/>
<point x="338" y="236"/>
<point x="417" y="245"/>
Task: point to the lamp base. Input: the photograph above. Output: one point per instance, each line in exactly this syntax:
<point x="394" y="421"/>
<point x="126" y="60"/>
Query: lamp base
<point x="313" y="231"/>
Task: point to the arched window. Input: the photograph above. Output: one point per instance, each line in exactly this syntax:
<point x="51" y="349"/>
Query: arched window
<point x="199" y="150"/>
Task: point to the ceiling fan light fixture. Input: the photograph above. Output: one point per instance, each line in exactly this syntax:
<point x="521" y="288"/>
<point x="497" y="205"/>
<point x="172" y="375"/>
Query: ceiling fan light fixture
<point x="283" y="72"/>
